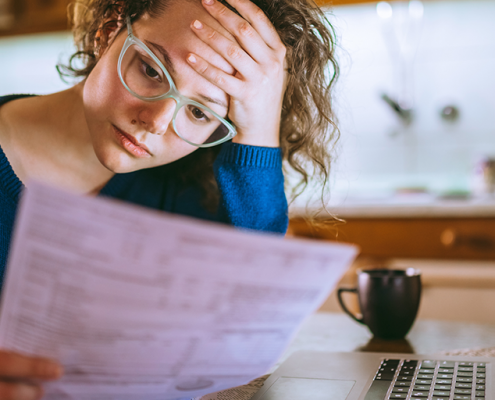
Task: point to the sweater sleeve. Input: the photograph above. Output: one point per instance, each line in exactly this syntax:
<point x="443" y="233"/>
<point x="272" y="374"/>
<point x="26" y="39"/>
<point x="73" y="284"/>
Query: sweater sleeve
<point x="251" y="186"/>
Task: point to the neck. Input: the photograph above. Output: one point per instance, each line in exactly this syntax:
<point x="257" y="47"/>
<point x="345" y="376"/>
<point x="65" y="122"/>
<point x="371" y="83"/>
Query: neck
<point x="53" y="142"/>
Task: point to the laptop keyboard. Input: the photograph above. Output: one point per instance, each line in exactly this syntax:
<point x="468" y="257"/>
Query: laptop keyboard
<point x="428" y="380"/>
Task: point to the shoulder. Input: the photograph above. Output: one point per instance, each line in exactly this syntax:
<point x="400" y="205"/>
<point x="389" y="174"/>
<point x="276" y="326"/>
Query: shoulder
<point x="11" y="113"/>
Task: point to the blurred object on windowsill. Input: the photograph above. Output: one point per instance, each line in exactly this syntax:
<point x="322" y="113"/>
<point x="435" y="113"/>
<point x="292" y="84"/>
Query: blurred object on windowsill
<point x="484" y="178"/>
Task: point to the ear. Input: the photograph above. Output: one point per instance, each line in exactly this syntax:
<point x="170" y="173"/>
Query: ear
<point x="109" y="29"/>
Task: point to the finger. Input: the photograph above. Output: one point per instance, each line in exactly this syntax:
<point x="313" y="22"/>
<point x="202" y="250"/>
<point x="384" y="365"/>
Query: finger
<point x="20" y="391"/>
<point x="243" y="32"/>
<point x="254" y="16"/>
<point x="230" y="51"/>
<point x="228" y="83"/>
<point x="15" y="365"/>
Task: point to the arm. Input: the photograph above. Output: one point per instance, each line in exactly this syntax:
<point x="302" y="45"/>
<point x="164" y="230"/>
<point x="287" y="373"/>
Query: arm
<point x="251" y="185"/>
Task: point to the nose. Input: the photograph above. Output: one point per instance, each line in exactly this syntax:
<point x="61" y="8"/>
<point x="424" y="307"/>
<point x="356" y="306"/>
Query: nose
<point x="156" y="117"/>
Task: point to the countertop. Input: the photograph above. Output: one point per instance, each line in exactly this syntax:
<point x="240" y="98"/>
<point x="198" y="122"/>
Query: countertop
<point x="403" y="206"/>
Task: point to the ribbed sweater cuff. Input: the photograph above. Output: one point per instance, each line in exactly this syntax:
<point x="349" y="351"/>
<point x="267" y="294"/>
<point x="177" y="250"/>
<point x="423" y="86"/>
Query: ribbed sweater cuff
<point x="250" y="156"/>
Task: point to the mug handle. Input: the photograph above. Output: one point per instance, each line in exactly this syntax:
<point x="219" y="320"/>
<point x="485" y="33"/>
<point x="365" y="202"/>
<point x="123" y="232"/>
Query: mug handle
<point x="341" y="301"/>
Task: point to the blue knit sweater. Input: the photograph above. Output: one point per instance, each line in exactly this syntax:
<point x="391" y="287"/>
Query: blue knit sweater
<point x="250" y="180"/>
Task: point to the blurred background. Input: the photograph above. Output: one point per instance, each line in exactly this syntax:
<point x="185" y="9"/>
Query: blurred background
<point x="414" y="176"/>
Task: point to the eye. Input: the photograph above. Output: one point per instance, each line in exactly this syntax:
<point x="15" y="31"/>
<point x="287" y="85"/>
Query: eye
<point x="150" y="71"/>
<point x="198" y="114"/>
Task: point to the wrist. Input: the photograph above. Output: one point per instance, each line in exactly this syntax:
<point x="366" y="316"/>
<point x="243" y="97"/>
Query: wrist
<point x="261" y="138"/>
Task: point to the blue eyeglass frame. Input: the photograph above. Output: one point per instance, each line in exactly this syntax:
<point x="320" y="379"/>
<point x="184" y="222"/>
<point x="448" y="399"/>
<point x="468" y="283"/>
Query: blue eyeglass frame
<point x="173" y="93"/>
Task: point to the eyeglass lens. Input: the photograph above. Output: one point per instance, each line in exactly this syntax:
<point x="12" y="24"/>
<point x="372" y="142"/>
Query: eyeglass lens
<point x="145" y="78"/>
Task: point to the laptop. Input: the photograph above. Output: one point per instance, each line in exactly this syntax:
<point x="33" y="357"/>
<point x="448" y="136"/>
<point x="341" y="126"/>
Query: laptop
<point x="310" y="375"/>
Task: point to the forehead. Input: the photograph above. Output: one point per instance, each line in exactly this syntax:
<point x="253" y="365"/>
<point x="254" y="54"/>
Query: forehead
<point x="172" y="30"/>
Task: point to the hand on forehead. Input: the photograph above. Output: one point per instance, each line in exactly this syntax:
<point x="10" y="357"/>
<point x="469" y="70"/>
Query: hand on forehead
<point x="172" y="30"/>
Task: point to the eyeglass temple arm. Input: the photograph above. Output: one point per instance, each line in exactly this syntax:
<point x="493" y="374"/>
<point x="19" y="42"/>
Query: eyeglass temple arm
<point x="129" y="27"/>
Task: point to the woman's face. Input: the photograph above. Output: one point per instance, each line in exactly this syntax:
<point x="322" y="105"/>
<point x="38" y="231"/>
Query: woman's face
<point x="129" y="134"/>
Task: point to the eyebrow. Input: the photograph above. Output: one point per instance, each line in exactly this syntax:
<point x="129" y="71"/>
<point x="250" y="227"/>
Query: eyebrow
<point x="166" y="57"/>
<point x="170" y="65"/>
<point x="215" y="101"/>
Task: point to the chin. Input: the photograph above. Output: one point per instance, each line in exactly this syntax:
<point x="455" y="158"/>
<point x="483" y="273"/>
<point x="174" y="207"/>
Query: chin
<point x="118" y="161"/>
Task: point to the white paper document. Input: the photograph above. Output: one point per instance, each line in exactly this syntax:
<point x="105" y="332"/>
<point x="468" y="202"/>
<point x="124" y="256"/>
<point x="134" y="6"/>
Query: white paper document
<point x="140" y="304"/>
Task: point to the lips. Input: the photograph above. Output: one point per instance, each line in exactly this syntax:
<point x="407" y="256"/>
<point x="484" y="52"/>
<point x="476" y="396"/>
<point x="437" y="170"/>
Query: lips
<point x="131" y="144"/>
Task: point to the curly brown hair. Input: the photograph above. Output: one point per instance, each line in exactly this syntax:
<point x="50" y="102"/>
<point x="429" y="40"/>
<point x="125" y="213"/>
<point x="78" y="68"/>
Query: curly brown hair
<point x="308" y="132"/>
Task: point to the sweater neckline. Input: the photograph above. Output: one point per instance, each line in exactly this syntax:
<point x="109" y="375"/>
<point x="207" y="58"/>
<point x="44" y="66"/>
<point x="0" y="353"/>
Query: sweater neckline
<point x="10" y="181"/>
<point x="13" y="185"/>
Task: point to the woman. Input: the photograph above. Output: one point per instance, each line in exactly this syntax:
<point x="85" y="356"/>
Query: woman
<point x="185" y="106"/>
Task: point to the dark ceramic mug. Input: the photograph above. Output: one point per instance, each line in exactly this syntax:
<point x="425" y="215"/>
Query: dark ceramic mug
<point x="389" y="300"/>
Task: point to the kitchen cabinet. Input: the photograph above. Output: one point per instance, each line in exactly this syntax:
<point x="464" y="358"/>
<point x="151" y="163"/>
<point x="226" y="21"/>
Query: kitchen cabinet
<point x="33" y="16"/>
<point x="342" y="2"/>
<point x="434" y="238"/>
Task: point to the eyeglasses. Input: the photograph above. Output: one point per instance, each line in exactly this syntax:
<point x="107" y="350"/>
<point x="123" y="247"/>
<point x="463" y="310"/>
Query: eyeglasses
<point x="146" y="78"/>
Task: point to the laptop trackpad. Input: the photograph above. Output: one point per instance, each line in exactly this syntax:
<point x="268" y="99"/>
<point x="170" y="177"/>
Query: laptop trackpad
<point x="304" y="388"/>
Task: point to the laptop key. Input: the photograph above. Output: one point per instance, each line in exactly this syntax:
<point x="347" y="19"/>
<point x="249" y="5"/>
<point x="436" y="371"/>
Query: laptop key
<point x="428" y="364"/>
<point x="445" y="376"/>
<point x="463" y="379"/>
<point x="480" y="394"/>
<point x="421" y="388"/>
<point x="424" y="381"/>
<point x="441" y="393"/>
<point x="446" y="370"/>
<point x="425" y="376"/>
<point x="405" y="383"/>
<point x="461" y="397"/>
<point x="378" y="390"/>
<point x="464" y="373"/>
<point x="480" y="387"/>
<point x="420" y="394"/>
<point x="480" y="381"/>
<point x="447" y="364"/>
<point x="385" y="376"/>
<point x="398" y="395"/>
<point x="480" y="375"/>
<point x="462" y="391"/>
<point x="463" y="385"/>
<point x="400" y="389"/>
<point x="443" y="381"/>
<point x="405" y="378"/>
<point x="465" y="369"/>
<point x="442" y="387"/>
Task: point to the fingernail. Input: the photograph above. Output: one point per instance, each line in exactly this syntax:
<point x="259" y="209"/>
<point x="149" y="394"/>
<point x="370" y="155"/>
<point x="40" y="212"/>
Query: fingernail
<point x="53" y="370"/>
<point x="208" y="2"/>
<point x="57" y="371"/>
<point x="191" y="59"/>
<point x="197" y="24"/>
